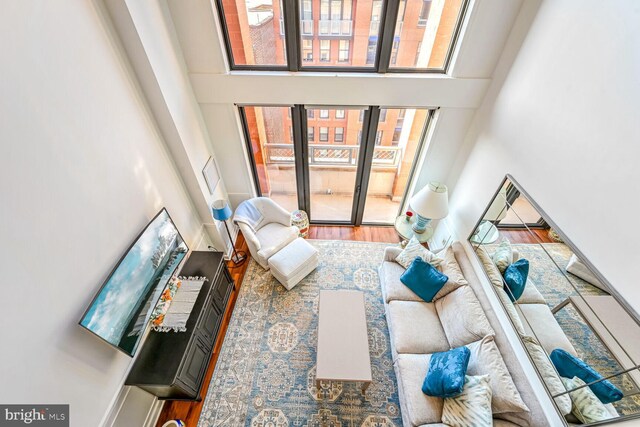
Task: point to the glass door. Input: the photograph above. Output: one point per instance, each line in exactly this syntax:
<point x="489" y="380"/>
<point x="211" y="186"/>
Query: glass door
<point x="334" y="145"/>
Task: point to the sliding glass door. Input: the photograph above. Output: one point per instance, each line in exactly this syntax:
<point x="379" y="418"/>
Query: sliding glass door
<point x="343" y="165"/>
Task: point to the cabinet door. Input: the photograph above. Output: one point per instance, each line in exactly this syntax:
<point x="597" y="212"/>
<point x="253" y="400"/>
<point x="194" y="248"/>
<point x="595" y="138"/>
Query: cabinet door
<point x="221" y="289"/>
<point x="209" y="323"/>
<point x="195" y="365"/>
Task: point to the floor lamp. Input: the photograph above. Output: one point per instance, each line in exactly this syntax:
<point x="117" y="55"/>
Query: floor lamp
<point x="222" y="212"/>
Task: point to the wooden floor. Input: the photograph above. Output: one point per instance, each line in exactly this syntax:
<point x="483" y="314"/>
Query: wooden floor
<point x="188" y="411"/>
<point x="534" y="235"/>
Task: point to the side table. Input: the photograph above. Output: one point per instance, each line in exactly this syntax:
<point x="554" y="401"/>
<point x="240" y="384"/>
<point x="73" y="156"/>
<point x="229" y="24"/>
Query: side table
<point x="405" y="230"/>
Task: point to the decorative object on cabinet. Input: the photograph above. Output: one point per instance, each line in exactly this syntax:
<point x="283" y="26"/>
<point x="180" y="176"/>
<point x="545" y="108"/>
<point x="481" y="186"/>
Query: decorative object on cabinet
<point x="172" y="365"/>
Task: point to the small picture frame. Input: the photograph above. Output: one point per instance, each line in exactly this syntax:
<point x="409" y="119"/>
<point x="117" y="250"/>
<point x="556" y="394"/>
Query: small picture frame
<point x="211" y="175"/>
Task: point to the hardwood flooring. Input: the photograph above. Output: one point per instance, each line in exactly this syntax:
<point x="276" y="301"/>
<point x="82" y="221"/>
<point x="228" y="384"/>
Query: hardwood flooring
<point x="536" y="235"/>
<point x="189" y="411"/>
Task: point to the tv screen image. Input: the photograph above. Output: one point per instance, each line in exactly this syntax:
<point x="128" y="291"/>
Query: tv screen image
<point x="121" y="309"/>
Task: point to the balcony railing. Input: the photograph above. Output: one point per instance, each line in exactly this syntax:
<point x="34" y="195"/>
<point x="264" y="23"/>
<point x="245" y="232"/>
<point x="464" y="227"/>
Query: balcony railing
<point x="335" y="27"/>
<point x="334" y="155"/>
<point x="306" y="27"/>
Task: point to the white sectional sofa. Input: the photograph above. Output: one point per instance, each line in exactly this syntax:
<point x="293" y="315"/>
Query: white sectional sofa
<point x="463" y="316"/>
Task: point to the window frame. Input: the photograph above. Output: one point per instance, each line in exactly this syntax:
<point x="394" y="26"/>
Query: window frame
<point x="291" y="17"/>
<point x="326" y="134"/>
<point x="335" y="134"/>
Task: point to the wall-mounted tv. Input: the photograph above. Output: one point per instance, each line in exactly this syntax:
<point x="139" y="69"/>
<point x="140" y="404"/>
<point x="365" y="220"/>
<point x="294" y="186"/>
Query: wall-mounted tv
<point x="120" y="311"/>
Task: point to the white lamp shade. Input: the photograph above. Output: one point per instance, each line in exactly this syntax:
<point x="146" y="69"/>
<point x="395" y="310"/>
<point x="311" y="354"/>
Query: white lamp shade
<point x="431" y="202"/>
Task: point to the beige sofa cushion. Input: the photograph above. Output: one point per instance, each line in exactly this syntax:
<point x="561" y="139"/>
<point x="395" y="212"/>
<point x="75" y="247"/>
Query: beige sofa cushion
<point x="415" y="327"/>
<point x="394" y="289"/>
<point x="451" y="268"/>
<point x="548" y="373"/>
<point x="531" y="294"/>
<point x="462" y="317"/>
<point x="417" y="407"/>
<point x="486" y="360"/>
<point x="413" y="250"/>
<point x="540" y="323"/>
<point x="492" y="271"/>
<point x="511" y="310"/>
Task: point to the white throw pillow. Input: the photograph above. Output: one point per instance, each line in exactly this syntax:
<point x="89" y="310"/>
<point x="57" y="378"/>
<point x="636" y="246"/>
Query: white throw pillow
<point x="415" y="249"/>
<point x="586" y="405"/>
<point x="451" y="269"/>
<point x="503" y="256"/>
<point x="472" y="407"/>
<point x="486" y="360"/>
<point x="548" y="373"/>
<point x="579" y="269"/>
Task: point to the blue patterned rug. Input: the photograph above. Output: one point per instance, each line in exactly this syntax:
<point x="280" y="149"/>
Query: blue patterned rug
<point x="265" y="375"/>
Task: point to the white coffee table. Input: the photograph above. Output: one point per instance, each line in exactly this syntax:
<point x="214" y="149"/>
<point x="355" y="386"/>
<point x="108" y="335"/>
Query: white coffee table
<point x="343" y="345"/>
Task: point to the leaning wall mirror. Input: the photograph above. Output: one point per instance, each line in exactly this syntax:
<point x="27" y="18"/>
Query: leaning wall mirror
<point x="581" y="336"/>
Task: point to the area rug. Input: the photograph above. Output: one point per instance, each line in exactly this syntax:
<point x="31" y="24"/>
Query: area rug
<point x="547" y="266"/>
<point x="265" y="375"/>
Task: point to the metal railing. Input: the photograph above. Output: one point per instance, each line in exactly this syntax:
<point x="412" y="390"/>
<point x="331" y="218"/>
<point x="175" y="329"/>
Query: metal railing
<point x="306" y="27"/>
<point x="335" y="27"/>
<point x="333" y="155"/>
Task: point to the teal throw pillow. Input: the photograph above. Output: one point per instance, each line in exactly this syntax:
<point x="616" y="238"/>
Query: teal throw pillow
<point x="423" y="279"/>
<point x="570" y="366"/>
<point x="445" y="377"/>
<point x="515" y="277"/>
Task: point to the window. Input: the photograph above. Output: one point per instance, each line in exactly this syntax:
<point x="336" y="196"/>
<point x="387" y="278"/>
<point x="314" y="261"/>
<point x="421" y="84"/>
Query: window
<point x="379" y="137"/>
<point x="343" y="53"/>
<point x="339" y="114"/>
<point x="311" y="135"/>
<point x="359" y="137"/>
<point x="371" y="51"/>
<point x="324" y="134"/>
<point x="396" y="136"/>
<point x="290" y="133"/>
<point x="324" y="114"/>
<point x="307" y="50"/>
<point x="325" y="50"/>
<point x="257" y="34"/>
<point x="383" y="115"/>
<point x="339" y="135"/>
<point x="361" y="117"/>
<point x="426" y="33"/>
<point x="424" y="13"/>
<point x="310" y="113"/>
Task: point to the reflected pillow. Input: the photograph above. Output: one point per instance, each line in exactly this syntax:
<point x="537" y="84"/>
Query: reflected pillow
<point x="515" y="277"/>
<point x="472" y="407"/>
<point x="585" y="405"/>
<point x="569" y="366"/>
<point x="423" y="279"/>
<point x="415" y="249"/>
<point x="503" y="256"/>
<point x="447" y="369"/>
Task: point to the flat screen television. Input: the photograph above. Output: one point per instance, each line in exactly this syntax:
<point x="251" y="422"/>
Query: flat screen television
<point x="121" y="309"/>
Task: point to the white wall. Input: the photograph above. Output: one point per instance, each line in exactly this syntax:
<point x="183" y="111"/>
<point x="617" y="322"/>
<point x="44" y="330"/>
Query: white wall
<point x="84" y="169"/>
<point x="562" y="117"/>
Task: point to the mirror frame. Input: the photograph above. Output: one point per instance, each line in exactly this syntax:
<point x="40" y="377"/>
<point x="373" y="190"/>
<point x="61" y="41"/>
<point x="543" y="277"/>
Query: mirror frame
<point x="612" y="291"/>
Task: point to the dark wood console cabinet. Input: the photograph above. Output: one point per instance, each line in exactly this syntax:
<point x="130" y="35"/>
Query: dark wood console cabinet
<point x="171" y="365"/>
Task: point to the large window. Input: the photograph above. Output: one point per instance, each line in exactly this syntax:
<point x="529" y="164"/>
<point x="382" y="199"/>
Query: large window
<point x="346" y="170"/>
<point x="348" y="35"/>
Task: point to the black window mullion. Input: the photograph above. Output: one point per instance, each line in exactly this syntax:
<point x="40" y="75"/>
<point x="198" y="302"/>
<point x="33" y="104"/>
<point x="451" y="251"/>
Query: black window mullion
<point x="301" y="154"/>
<point x="365" y="158"/>
<point x="385" y="36"/>
<point x="292" y="33"/>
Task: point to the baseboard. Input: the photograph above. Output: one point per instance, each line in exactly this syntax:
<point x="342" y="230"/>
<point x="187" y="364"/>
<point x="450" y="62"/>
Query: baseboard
<point x="154" y="413"/>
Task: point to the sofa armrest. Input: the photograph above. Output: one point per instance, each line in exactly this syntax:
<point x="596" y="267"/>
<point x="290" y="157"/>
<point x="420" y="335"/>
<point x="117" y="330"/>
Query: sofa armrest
<point x="249" y="236"/>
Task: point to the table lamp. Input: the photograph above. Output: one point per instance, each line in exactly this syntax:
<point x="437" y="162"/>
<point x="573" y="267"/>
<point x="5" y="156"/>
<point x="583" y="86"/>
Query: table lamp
<point x="429" y="203"/>
<point x="222" y="212"/>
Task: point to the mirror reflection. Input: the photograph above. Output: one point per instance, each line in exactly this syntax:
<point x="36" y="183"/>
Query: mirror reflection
<point x="580" y="335"/>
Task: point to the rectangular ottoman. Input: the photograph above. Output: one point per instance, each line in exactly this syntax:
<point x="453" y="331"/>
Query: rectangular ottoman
<point x="293" y="262"/>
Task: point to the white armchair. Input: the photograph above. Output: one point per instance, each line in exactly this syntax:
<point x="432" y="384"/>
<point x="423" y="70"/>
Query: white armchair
<point x="266" y="226"/>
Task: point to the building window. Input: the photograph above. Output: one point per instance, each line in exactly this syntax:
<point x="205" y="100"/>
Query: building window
<point x="376" y="10"/>
<point x="311" y="135"/>
<point x="424" y="13"/>
<point x="359" y="137"/>
<point x="361" y="117"/>
<point x="394" y="52"/>
<point x="324" y="134"/>
<point x="343" y="53"/>
<point x="324" y="114"/>
<point x="383" y="114"/>
<point x="307" y="50"/>
<point x="339" y="135"/>
<point x="307" y="10"/>
<point x="417" y="54"/>
<point x="325" y="50"/>
<point x="310" y="113"/>
<point x="379" y="137"/>
<point x="291" y="133"/>
<point x="339" y="114"/>
<point x="396" y="136"/>
<point x="371" y="51"/>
